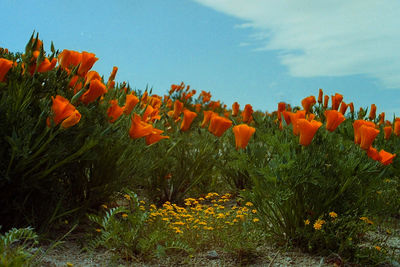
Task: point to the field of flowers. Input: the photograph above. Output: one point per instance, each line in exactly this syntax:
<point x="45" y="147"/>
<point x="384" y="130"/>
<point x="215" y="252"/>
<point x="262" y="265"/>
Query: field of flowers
<point x="138" y="168"/>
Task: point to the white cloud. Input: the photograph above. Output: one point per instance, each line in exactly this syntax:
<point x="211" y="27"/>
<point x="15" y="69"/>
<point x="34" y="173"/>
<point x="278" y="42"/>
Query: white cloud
<point x="325" y="38"/>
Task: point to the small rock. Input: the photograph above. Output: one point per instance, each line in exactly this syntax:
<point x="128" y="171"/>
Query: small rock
<point x="212" y="255"/>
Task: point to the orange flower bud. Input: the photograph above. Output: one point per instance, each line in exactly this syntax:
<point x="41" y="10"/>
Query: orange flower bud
<point x="336" y="100"/>
<point x="396" y="128"/>
<point x="320" y="94"/>
<point x="388" y="131"/>
<point x="351" y="105"/>
<point x="372" y="112"/>
<point x="326" y="100"/>
<point x="235" y="109"/>
<point x="343" y="107"/>
<point x="188" y="117"/>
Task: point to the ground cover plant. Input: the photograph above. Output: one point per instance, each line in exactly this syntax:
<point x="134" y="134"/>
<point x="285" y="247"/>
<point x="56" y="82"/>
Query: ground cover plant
<point x="318" y="176"/>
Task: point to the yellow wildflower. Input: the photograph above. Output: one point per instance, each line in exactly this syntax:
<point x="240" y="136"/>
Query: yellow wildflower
<point x="98" y="230"/>
<point x="254" y="211"/>
<point x="128" y="197"/>
<point x="142" y="202"/>
<point x="124" y="215"/>
<point x="104" y="206"/>
<point x="256" y="220"/>
<point x="318" y="224"/>
<point x="249" y="204"/>
<point x="69" y="264"/>
<point x="333" y="214"/>
<point x="307" y="222"/>
<point x="378" y="248"/>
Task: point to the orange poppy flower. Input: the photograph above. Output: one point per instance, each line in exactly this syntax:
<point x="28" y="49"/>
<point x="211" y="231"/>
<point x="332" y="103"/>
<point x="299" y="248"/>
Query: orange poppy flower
<point x="92" y="75"/>
<point x="243" y="133"/>
<point x="333" y="119"/>
<point x="307" y="130"/>
<point x="367" y="135"/>
<point x="5" y="66"/>
<point x="188" y="117"/>
<point x="71" y="120"/>
<point x="386" y="157"/>
<point x="281" y="106"/>
<point x="139" y="128"/>
<point x="46" y="65"/>
<point x="206" y="118"/>
<point x="114" y="111"/>
<point x="178" y="107"/>
<point x="351" y="105"/>
<point x="356" y="126"/>
<point x="372" y="112"/>
<point x="300" y="114"/>
<point x="320" y="94"/>
<point x="69" y="58"/>
<point x="388" y="131"/>
<point x="235" y="109"/>
<point x="113" y="74"/>
<point x="219" y="125"/>
<point x="326" y="100"/>
<point x="155" y="136"/>
<point x="343" y="107"/>
<point x="130" y="102"/>
<point x="147" y="113"/>
<point x="373" y="154"/>
<point x="336" y="100"/>
<point x="63" y="110"/>
<point x="308" y="102"/>
<point x="247" y="113"/>
<point x="96" y="89"/>
<point x="87" y="62"/>
<point x="396" y="127"/>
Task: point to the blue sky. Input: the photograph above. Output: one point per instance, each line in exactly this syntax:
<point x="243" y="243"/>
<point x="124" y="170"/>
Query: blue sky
<point x="253" y="51"/>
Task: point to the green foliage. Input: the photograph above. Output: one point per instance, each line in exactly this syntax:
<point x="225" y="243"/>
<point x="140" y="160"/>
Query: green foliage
<point x="121" y="229"/>
<point x="183" y="164"/>
<point x="293" y="184"/>
<point x="16" y="245"/>
<point x="70" y="170"/>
